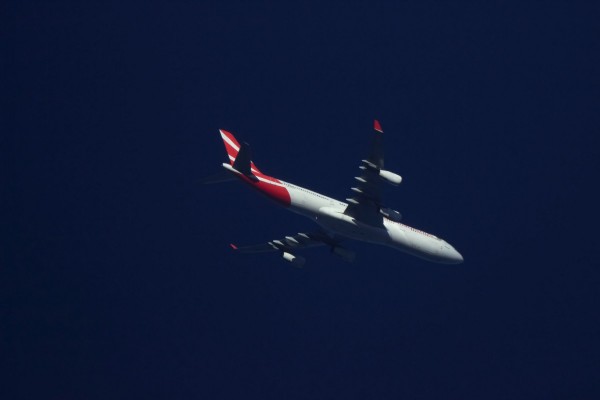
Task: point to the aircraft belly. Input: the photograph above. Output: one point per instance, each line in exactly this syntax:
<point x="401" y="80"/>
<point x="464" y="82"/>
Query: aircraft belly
<point x="336" y="221"/>
<point x="416" y="244"/>
<point x="296" y="200"/>
<point x="305" y="203"/>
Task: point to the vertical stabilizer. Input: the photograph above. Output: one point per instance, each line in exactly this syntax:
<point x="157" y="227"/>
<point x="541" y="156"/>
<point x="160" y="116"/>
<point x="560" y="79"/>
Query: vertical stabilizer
<point x="234" y="150"/>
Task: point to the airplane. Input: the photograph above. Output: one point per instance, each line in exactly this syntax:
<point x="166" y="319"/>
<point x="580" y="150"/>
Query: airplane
<point x="362" y="217"/>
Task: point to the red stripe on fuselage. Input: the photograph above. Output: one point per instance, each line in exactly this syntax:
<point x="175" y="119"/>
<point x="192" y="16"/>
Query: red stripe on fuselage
<point x="276" y="192"/>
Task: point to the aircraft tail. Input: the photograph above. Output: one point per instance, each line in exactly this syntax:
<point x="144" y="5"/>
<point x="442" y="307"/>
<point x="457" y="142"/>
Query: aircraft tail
<point x="239" y="154"/>
<point x="241" y="165"/>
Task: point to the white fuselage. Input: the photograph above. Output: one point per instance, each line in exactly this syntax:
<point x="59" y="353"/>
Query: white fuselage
<point x="329" y="214"/>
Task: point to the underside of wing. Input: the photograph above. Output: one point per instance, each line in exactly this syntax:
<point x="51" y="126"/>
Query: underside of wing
<point x="289" y="245"/>
<point x="365" y="203"/>
<point x="366" y="197"/>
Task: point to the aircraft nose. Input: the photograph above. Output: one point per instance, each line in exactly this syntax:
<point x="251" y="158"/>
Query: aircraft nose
<point x="456" y="257"/>
<point x="451" y="255"/>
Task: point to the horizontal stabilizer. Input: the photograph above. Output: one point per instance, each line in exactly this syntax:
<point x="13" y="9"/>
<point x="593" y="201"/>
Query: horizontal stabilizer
<point x="243" y="161"/>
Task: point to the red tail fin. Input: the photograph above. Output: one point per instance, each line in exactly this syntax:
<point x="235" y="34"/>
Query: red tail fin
<point x="232" y="146"/>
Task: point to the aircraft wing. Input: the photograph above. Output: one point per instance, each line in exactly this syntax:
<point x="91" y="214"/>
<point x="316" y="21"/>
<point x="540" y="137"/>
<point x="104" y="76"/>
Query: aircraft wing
<point x="365" y="202"/>
<point x="288" y="243"/>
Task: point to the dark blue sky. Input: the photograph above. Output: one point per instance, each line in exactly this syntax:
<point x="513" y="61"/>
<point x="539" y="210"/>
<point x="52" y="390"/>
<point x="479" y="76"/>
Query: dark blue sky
<point x="117" y="280"/>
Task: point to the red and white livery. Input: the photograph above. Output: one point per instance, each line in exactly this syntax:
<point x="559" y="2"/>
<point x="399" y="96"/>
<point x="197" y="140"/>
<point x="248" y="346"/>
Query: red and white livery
<point x="362" y="217"/>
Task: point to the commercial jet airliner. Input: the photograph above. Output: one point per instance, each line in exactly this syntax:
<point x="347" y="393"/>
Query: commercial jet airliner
<point x="363" y="217"/>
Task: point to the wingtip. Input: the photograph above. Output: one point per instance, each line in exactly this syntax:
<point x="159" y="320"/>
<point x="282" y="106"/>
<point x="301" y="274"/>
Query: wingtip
<point x="377" y="126"/>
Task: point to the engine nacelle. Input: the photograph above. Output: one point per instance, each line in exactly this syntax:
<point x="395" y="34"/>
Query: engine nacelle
<point x="391" y="214"/>
<point x="345" y="254"/>
<point x="296" y="261"/>
<point x="390" y="177"/>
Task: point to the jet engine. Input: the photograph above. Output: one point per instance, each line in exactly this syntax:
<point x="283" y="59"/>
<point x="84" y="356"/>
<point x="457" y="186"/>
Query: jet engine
<point x="391" y="214"/>
<point x="390" y="177"/>
<point x="296" y="261"/>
